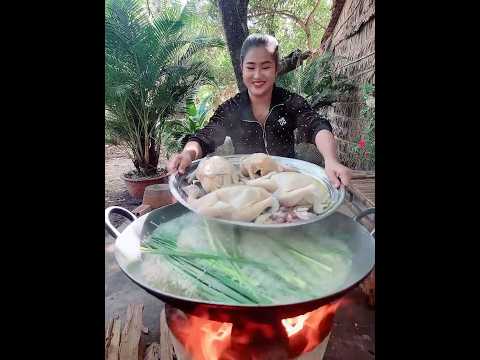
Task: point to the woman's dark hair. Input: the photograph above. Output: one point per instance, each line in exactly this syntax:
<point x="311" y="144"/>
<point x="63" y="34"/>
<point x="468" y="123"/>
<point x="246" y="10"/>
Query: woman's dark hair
<point x="260" y="40"/>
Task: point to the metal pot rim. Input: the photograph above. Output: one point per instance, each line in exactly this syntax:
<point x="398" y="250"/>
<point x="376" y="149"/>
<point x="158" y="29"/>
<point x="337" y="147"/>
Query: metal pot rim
<point x="139" y="222"/>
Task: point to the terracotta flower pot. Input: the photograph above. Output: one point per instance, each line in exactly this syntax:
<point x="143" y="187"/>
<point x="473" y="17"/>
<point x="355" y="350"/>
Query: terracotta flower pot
<point x="155" y="196"/>
<point x="136" y="187"/>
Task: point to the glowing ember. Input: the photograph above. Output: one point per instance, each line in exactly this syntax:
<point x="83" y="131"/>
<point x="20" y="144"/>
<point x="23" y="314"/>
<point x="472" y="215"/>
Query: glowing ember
<point x="294" y="325"/>
<point x="215" y="340"/>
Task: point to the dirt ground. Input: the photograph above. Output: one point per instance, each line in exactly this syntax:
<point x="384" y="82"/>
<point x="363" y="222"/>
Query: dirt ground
<point x="117" y="162"/>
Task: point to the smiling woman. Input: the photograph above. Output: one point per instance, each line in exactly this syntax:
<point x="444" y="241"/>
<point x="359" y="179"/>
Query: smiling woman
<point x="263" y="118"/>
<point x="259" y="58"/>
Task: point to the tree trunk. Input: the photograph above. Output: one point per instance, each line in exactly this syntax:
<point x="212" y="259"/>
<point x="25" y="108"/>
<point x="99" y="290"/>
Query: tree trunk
<point x="148" y="168"/>
<point x="292" y="61"/>
<point x="234" y="20"/>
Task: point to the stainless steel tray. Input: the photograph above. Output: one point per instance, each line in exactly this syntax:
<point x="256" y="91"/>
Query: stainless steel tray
<point x="177" y="182"/>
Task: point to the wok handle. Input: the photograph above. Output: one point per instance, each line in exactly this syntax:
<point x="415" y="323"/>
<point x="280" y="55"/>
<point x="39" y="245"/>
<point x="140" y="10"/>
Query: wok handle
<point x="112" y="230"/>
<point x="363" y="214"/>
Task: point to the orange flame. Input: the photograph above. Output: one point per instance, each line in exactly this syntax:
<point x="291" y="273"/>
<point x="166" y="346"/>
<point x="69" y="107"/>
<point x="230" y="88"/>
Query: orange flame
<point x="206" y="339"/>
<point x="306" y="331"/>
<point x="202" y="338"/>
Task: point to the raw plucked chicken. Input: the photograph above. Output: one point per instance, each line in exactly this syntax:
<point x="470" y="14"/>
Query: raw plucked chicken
<point x="236" y="192"/>
<point x="238" y="202"/>
<point x="294" y="189"/>
<point x="216" y="172"/>
<point x="259" y="164"/>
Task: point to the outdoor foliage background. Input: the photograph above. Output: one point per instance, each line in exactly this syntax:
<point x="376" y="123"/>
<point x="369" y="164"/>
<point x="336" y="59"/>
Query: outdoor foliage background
<point x="289" y="22"/>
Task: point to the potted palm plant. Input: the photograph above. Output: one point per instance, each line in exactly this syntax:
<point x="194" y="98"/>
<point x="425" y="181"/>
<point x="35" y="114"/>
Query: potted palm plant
<point x="151" y="70"/>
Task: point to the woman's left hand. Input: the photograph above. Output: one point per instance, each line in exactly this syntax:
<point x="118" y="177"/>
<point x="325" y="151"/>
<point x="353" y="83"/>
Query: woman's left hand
<point x="337" y="173"/>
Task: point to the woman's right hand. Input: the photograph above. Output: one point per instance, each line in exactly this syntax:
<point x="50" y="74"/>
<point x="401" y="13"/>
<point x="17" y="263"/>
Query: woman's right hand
<point x="180" y="162"/>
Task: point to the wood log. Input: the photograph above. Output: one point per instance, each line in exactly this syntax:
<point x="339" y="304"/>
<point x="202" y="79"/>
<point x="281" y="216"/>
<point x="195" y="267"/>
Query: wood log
<point x="112" y="339"/>
<point x="166" y="346"/>
<point x="153" y="352"/>
<point x="131" y="343"/>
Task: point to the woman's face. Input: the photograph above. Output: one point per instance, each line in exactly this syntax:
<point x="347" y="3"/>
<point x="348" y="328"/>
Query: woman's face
<point x="259" y="71"/>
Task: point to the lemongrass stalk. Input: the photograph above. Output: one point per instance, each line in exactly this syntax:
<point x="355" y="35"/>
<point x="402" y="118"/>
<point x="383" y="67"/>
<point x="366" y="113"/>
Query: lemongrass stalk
<point x="310" y="259"/>
<point x="196" y="274"/>
<point x="201" y="256"/>
<point x="219" y="243"/>
<point x="227" y="282"/>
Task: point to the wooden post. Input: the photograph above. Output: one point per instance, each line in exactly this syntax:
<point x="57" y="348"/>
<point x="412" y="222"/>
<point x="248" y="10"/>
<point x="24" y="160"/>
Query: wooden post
<point x="131" y="343"/>
<point x="112" y="339"/>
<point x="362" y="191"/>
<point x="166" y="346"/>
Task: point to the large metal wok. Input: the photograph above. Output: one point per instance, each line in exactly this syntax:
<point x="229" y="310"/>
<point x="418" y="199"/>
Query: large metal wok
<point x="345" y="229"/>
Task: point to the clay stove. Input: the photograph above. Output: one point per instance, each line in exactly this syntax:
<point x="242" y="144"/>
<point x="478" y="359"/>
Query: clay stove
<point x="196" y="337"/>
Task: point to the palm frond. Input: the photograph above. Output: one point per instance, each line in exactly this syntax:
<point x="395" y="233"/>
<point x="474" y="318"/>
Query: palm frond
<point x="198" y="44"/>
<point x="150" y="69"/>
<point x="317" y="81"/>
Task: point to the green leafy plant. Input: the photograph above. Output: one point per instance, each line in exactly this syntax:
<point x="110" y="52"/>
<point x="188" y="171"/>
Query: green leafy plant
<point x="151" y="71"/>
<point x="110" y="138"/>
<point x="176" y="131"/>
<point x="317" y="81"/>
<point x="364" y="142"/>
